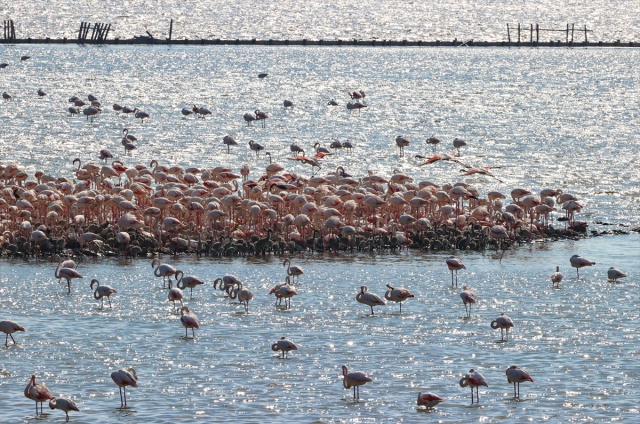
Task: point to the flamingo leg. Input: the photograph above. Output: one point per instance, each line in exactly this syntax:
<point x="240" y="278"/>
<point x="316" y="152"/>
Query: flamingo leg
<point x="371" y="310"/>
<point x="6" y="340"/>
<point x="124" y="389"/>
<point x="477" y="394"/>
<point x="121" y="402"/>
<point x="109" y="299"/>
<point x="514" y="390"/>
<point x="472" y="395"/>
<point x="69" y="286"/>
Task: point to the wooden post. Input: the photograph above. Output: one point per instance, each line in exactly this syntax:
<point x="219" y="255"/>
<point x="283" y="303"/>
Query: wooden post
<point x="530" y="33"/>
<point x="572" y="28"/>
<point x="106" y="33"/>
<point x="567" y="35"/>
<point x="508" y="34"/>
<point x="537" y="33"/>
<point x="170" y="29"/>
<point x="518" y="32"/>
<point x="13" y="37"/>
<point x="585" y="35"/>
<point x="80" y="32"/>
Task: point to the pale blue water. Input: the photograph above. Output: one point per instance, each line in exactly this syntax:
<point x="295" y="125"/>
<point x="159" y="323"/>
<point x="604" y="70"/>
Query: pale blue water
<point x="552" y="118"/>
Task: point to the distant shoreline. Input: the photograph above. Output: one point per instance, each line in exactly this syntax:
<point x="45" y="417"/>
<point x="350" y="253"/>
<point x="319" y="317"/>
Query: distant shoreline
<point x="146" y="41"/>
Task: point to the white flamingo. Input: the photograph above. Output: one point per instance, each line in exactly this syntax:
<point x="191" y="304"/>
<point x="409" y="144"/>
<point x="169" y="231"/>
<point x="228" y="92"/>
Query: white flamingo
<point x="293" y="271"/>
<point x="63" y="404"/>
<point x="37" y="392"/>
<point x="429" y="400"/>
<point x="473" y="379"/>
<point x="175" y="294"/>
<point x="189" y="320"/>
<point x="190" y="281"/>
<point x="123" y="378"/>
<point x="243" y="295"/>
<point x="578" y="262"/>
<point x="162" y="270"/>
<point x="355" y="379"/>
<point x="285" y="346"/>
<point x="517" y="375"/>
<point x="556" y="277"/>
<point x="503" y="322"/>
<point x="102" y="291"/>
<point x="397" y="295"/>
<point x="368" y="298"/>
<point x="8" y="328"/>
<point x="66" y="273"/>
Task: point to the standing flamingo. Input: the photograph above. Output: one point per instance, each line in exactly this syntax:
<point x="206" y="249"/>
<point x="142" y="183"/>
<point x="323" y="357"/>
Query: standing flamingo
<point x="102" y="291"/>
<point x="162" y="270"/>
<point x="8" y="328"/>
<point x="468" y="296"/>
<point x="614" y="273"/>
<point x="458" y="143"/>
<point x="243" y="295"/>
<point x="63" y="404"/>
<point x="473" y="379"/>
<point x="556" y="277"/>
<point x="428" y="399"/>
<point x="370" y="299"/>
<point x="578" y="262"/>
<point x="402" y="142"/>
<point x="37" y="392"/>
<point x="175" y="294"/>
<point x="189" y="320"/>
<point x="355" y="379"/>
<point x="285" y="346"/>
<point x="517" y="375"/>
<point x="66" y="273"/>
<point x="397" y="295"/>
<point x="124" y="378"/>
<point x="189" y="281"/>
<point x="293" y="271"/>
<point x="454" y="264"/>
<point x="503" y="322"/>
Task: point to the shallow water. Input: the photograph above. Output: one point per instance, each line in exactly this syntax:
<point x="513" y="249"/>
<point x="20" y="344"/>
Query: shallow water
<point x="551" y="118"/>
<point x="579" y="342"/>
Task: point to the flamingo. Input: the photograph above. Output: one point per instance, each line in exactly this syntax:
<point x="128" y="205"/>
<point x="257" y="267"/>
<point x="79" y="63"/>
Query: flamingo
<point x="255" y="147"/>
<point x="614" y="273"/>
<point x="370" y="299"/>
<point x="402" y="142"/>
<point x="261" y="116"/>
<point x="8" y="328"/>
<point x="517" y="375"/>
<point x="37" y="392"/>
<point x="332" y="102"/>
<point x="162" y="270"/>
<point x="175" y="294"/>
<point x="473" y="379"/>
<point x="277" y="290"/>
<point x="468" y="296"/>
<point x="454" y="264"/>
<point x="229" y="141"/>
<point x="556" y="277"/>
<point x="578" y="262"/>
<point x="293" y="271"/>
<point x="503" y="322"/>
<point x="124" y="378"/>
<point x="428" y="399"/>
<point x="66" y="273"/>
<point x="6" y="96"/>
<point x="286" y="292"/>
<point x="226" y="282"/>
<point x="243" y="295"/>
<point x="434" y="141"/>
<point x="102" y="291"/>
<point x="249" y="118"/>
<point x="458" y="143"/>
<point x="189" y="281"/>
<point x="397" y="295"/>
<point x="285" y="346"/>
<point x="186" y="111"/>
<point x="189" y="320"/>
<point x="355" y="379"/>
<point x="63" y="404"/>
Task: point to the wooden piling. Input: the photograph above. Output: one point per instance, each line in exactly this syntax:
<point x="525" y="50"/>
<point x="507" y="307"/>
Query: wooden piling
<point x="170" y="29"/>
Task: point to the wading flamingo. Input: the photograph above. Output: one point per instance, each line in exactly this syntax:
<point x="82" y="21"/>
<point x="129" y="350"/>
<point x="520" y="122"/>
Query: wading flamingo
<point x="397" y="295"/>
<point x="614" y="273"/>
<point x="37" y="392"/>
<point x="189" y="320"/>
<point x="578" y="262"/>
<point x="428" y="399"/>
<point x="162" y="270"/>
<point x="243" y="295"/>
<point x="468" y="296"/>
<point x="8" y="328"/>
<point x="370" y="299"/>
<point x="503" y="322"/>
<point x="355" y="379"/>
<point x="285" y="346"/>
<point x="102" y="291"/>
<point x="63" y="404"/>
<point x="124" y="378"/>
<point x="66" y="273"/>
<point x="175" y="294"/>
<point x="293" y="271"/>
<point x="473" y="379"/>
<point x="556" y="277"/>
<point x="454" y="264"/>
<point x="190" y="281"/>
<point x="517" y="375"/>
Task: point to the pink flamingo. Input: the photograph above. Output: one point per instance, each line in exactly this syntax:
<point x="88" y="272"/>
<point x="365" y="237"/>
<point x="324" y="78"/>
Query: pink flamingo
<point x="190" y="281"/>
<point x="370" y="299"/>
<point x="189" y="320"/>
<point x="503" y="322"/>
<point x="473" y="379"/>
<point x="285" y="346"/>
<point x="355" y="379"/>
<point x="175" y="294"/>
<point x="517" y="375"/>
<point x="8" y="328"/>
<point x="293" y="271"/>
<point x="124" y="378"/>
<point x="397" y="295"/>
<point x="162" y="270"/>
<point x="556" y="277"/>
<point x="37" y="392"/>
<point x="63" y="404"/>
<point x="468" y="296"/>
<point x="102" y="291"/>
<point x="614" y="273"/>
<point x="428" y="399"/>
<point x="454" y="264"/>
<point x="578" y="262"/>
<point x="66" y="273"/>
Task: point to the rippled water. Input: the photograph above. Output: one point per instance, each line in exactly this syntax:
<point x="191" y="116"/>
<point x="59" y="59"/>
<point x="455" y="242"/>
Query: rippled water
<point x="329" y="20"/>
<point x="550" y="118"/>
